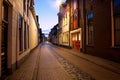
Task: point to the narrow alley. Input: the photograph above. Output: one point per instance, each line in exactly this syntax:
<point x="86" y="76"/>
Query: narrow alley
<point x="59" y="39"/>
<point x="50" y="62"/>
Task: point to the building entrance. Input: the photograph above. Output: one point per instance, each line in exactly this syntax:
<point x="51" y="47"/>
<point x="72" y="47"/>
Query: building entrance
<point x="4" y="39"/>
<point x="76" y="41"/>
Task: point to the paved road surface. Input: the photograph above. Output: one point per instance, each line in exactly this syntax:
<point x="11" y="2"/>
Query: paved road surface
<point x="49" y="62"/>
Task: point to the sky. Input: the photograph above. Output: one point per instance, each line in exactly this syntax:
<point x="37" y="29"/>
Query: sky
<point x="47" y="11"/>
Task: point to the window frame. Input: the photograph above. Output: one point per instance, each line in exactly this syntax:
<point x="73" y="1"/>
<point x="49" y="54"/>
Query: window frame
<point x="115" y="15"/>
<point x="20" y="29"/>
<point x="90" y="33"/>
<point x="25" y="36"/>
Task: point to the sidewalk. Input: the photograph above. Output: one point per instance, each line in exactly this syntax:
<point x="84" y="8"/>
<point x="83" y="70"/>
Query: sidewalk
<point x="42" y="65"/>
<point x="107" y="64"/>
<point x="99" y="68"/>
<point x="26" y="70"/>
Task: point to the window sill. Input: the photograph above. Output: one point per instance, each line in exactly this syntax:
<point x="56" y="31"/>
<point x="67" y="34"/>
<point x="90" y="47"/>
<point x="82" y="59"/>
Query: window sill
<point x="22" y="51"/>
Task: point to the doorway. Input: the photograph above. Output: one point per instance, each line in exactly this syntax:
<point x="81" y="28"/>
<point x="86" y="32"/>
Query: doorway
<point x="4" y="40"/>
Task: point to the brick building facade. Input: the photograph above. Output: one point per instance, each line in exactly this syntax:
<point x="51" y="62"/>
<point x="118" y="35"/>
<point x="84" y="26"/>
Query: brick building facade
<point x="102" y="28"/>
<point x="95" y="27"/>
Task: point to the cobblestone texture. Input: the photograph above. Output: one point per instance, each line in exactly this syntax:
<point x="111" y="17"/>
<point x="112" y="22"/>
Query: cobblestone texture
<point x="50" y="63"/>
<point x="90" y="64"/>
<point x="74" y="71"/>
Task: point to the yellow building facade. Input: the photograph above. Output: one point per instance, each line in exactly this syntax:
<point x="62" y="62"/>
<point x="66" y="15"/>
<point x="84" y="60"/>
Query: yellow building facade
<point x="18" y="33"/>
<point x="64" y="24"/>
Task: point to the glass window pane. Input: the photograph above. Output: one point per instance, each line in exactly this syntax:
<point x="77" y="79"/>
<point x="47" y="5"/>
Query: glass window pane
<point x="117" y="38"/>
<point x="20" y="32"/>
<point x="117" y="22"/>
<point x="90" y="28"/>
<point x="116" y="6"/>
<point x="90" y="15"/>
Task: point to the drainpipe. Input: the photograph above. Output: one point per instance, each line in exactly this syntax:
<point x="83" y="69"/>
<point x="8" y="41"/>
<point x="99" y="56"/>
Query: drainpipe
<point x="84" y="26"/>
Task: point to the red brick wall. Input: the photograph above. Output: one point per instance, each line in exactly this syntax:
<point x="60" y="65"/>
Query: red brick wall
<point x="102" y="31"/>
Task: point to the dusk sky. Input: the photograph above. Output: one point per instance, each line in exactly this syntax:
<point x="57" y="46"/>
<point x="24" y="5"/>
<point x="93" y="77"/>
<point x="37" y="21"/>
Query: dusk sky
<point x="47" y="11"/>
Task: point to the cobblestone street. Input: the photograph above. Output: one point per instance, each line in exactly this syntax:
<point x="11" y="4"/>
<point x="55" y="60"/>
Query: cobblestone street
<point x="49" y="62"/>
<point x="59" y="39"/>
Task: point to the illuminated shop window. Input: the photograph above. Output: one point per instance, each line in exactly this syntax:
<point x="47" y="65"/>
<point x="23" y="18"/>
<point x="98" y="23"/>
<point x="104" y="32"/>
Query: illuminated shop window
<point x="79" y="36"/>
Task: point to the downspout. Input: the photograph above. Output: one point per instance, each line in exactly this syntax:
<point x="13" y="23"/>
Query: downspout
<point x="84" y="27"/>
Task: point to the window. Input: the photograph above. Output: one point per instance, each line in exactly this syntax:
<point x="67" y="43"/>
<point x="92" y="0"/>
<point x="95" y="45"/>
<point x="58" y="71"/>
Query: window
<point x="28" y="7"/>
<point x="71" y="23"/>
<point x="25" y="36"/>
<point x="20" y="32"/>
<point x="79" y="36"/>
<point x="65" y="37"/>
<point x="66" y="19"/>
<point x="75" y="15"/>
<point x="5" y="13"/>
<point x="90" y="28"/>
<point x="4" y="28"/>
<point x="24" y="5"/>
<point x="28" y="36"/>
<point x="116" y="12"/>
<point x="31" y="3"/>
<point x="74" y="37"/>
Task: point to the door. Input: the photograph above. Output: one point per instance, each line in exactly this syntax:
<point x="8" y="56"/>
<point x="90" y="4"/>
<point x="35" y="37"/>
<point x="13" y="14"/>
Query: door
<point x="76" y="41"/>
<point x="4" y="39"/>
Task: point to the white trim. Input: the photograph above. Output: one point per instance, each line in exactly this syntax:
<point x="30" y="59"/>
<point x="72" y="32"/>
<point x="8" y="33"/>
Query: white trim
<point x="74" y="31"/>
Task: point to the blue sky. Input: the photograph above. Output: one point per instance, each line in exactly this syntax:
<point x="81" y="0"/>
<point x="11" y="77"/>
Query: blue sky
<point x="47" y="11"/>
